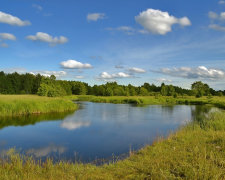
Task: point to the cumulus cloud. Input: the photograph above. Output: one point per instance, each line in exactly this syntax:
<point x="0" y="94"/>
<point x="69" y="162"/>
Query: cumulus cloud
<point x="7" y="36"/>
<point x="159" y="22"/>
<point x="107" y="76"/>
<point x="200" y="72"/>
<point x="214" y="16"/>
<point x="46" y="73"/>
<point x="57" y="74"/>
<point x="44" y="37"/>
<point x="136" y="70"/>
<point x="73" y="64"/>
<point x="217" y="17"/>
<point x="95" y="16"/>
<point x="12" y="20"/>
<point x="164" y="80"/>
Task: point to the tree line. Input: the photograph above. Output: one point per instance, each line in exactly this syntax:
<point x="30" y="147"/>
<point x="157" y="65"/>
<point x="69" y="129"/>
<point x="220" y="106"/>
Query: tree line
<point x="16" y="83"/>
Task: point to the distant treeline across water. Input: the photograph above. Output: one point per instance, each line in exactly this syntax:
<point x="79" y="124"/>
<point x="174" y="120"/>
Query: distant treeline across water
<point x="16" y="83"/>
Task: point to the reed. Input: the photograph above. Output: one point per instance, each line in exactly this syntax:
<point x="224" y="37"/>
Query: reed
<point x="14" y="105"/>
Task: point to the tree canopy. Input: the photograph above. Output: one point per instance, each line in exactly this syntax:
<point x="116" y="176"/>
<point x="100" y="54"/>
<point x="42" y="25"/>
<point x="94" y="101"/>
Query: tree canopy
<point x="15" y="83"/>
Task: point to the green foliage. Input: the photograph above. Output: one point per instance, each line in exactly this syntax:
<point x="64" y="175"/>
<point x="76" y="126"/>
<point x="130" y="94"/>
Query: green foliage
<point x="144" y="92"/>
<point x="51" y="88"/>
<point x="200" y="89"/>
<point x="48" y="86"/>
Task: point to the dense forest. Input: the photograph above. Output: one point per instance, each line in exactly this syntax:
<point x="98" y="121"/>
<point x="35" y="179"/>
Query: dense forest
<point x="48" y="86"/>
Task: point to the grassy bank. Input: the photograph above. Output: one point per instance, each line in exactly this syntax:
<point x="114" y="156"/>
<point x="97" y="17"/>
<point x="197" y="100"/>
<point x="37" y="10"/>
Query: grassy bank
<point x="152" y="100"/>
<point x="13" y="105"/>
<point x="194" y="152"/>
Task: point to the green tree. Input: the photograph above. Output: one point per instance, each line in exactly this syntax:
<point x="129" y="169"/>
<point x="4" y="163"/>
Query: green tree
<point x="200" y="89"/>
<point x="144" y="92"/>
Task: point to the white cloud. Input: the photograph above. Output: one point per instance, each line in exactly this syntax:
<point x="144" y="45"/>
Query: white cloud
<point x="221" y="2"/>
<point x="57" y="74"/>
<point x="217" y="27"/>
<point x="12" y="20"/>
<point x="107" y="76"/>
<point x="219" y="17"/>
<point x="222" y="15"/>
<point x="38" y="7"/>
<point x="136" y="70"/>
<point x="7" y="36"/>
<point x="73" y="64"/>
<point x="200" y="72"/>
<point x="4" y="37"/>
<point x="158" y="22"/>
<point x="214" y="16"/>
<point x="95" y="16"/>
<point x="164" y="80"/>
<point x="44" y="37"/>
<point x="121" y="75"/>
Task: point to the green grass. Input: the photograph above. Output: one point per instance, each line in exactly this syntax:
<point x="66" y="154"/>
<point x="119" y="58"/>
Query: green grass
<point x="13" y="105"/>
<point x="196" y="151"/>
<point x="193" y="152"/>
<point x="152" y="100"/>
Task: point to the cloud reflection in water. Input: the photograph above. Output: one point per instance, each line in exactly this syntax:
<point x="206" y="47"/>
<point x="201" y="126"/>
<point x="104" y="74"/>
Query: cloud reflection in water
<point x="45" y="151"/>
<point x="72" y="123"/>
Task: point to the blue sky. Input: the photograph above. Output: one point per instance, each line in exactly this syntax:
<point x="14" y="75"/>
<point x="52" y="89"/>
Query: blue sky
<point x="128" y="41"/>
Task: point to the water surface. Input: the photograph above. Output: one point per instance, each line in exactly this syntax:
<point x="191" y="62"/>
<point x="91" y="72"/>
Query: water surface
<point x="95" y="131"/>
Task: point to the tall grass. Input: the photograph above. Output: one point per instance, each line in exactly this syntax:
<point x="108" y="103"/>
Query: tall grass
<point x="193" y="152"/>
<point x="150" y="100"/>
<point x="13" y="105"/>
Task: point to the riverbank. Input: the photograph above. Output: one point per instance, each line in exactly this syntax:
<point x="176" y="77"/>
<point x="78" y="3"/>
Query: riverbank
<point x="14" y="105"/>
<point x="196" y="151"/>
<point x="153" y="100"/>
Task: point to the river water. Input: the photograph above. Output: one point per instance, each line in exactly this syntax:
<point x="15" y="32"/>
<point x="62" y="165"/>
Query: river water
<point x="95" y="131"/>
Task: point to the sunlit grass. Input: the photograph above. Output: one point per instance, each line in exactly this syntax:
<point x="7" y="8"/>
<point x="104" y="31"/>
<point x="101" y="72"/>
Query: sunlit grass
<point x="150" y="100"/>
<point x="11" y="105"/>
